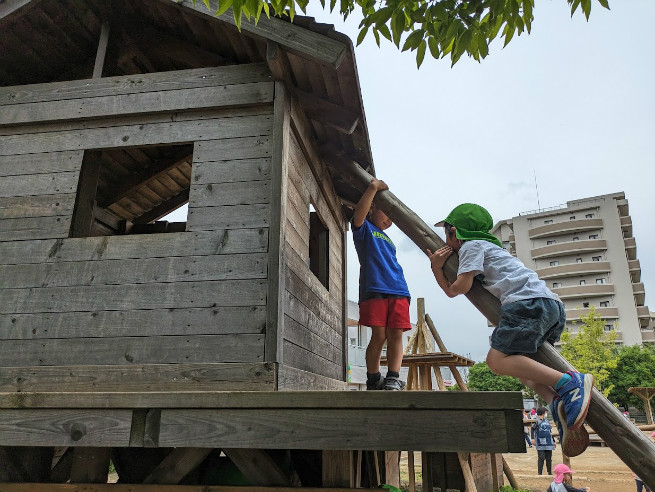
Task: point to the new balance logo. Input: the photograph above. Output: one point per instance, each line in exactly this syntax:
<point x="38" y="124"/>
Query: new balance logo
<point x="576" y="395"/>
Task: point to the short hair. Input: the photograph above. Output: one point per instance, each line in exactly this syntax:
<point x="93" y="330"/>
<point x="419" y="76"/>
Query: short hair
<point x="541" y="410"/>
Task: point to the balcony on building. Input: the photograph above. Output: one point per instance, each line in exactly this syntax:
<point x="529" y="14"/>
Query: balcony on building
<point x="576" y="291"/>
<point x="574" y="269"/>
<point x="630" y="248"/>
<point x="601" y="312"/>
<point x="626" y="226"/>
<point x="639" y="292"/>
<point x="634" y="267"/>
<point x="644" y="316"/>
<point x="570" y="247"/>
<point x="622" y="205"/>
<point x="565" y="227"/>
<point x="647" y="336"/>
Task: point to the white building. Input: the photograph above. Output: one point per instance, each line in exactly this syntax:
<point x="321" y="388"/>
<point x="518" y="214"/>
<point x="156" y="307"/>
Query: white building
<point x="586" y="253"/>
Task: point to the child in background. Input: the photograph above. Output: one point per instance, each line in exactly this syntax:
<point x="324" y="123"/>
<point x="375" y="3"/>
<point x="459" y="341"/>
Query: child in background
<point x="383" y="293"/>
<point x="563" y="481"/>
<point x="543" y="441"/>
<point x="530" y="314"/>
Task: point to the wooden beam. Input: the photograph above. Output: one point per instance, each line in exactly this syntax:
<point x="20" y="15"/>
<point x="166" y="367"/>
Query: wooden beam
<point x="278" y="63"/>
<point x="102" y="50"/>
<point x="302" y="42"/>
<point x="86" y="195"/>
<point x="177" y="465"/>
<point x="258" y="467"/>
<point x="328" y="113"/>
<point x="264" y="400"/>
<point x="337" y="469"/>
<point x="117" y="487"/>
<point x="619" y="433"/>
<point x="163" y="208"/>
<point x="152" y="172"/>
<point x="8" y="7"/>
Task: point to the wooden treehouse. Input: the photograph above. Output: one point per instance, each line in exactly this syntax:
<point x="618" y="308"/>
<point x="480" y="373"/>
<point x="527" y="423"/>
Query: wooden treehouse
<point x="162" y="344"/>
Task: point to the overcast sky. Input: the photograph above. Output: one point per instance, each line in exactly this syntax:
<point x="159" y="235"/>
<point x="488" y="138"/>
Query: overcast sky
<point x="574" y="102"/>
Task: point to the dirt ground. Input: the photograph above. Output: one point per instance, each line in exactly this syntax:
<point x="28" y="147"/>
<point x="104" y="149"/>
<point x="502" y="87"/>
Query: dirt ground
<point x="597" y="468"/>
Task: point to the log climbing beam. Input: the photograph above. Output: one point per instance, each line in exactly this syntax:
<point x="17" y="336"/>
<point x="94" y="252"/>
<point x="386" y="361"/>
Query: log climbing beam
<point x="623" y="437"/>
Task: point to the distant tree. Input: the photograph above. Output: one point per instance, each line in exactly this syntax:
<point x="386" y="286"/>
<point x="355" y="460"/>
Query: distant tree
<point x="592" y="350"/>
<point x="635" y="366"/>
<point x="442" y="27"/>
<point x="482" y="379"/>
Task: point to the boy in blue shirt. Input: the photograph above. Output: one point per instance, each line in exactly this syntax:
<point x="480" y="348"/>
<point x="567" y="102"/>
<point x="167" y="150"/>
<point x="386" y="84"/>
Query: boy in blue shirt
<point x="530" y="315"/>
<point x="383" y="292"/>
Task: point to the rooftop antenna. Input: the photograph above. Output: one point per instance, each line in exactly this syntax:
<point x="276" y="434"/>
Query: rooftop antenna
<point x="536" y="189"/>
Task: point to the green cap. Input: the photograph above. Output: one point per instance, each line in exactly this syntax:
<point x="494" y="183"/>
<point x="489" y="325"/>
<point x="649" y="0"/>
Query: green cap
<point x="471" y="222"/>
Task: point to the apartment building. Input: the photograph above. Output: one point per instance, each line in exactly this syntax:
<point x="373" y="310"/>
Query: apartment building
<point x="586" y="253"/>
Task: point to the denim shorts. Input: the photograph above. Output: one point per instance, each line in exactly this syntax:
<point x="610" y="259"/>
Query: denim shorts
<point x="525" y="325"/>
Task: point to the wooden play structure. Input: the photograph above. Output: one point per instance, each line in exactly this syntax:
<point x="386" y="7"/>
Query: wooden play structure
<point x="191" y="353"/>
<point x="645" y="394"/>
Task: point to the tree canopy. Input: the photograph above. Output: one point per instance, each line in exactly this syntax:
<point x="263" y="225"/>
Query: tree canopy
<point x="482" y="379"/>
<point x="442" y="27"/>
<point x="635" y="367"/>
<point x="592" y="350"/>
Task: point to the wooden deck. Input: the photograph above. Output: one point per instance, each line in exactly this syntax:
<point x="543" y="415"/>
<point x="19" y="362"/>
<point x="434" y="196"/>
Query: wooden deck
<point x="322" y="420"/>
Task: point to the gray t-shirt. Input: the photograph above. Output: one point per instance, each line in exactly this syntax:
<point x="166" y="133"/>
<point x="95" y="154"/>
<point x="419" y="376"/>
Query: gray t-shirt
<point x="502" y="274"/>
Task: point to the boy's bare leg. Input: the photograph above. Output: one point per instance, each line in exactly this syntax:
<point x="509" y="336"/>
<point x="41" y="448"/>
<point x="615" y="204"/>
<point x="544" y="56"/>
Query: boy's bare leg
<point x="394" y="349"/>
<point x="374" y="349"/>
<point x="546" y="392"/>
<point x="527" y="369"/>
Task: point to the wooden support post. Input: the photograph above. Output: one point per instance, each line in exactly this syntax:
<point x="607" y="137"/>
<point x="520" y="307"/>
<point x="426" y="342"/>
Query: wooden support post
<point x="337" y="469"/>
<point x="86" y="194"/>
<point x="411" y="471"/>
<point x="468" y="474"/>
<point x="494" y="472"/>
<point x="90" y="465"/>
<point x="510" y="475"/>
<point x="177" y="465"/>
<point x="629" y="444"/>
<point x="258" y="467"/>
<point x="102" y="50"/>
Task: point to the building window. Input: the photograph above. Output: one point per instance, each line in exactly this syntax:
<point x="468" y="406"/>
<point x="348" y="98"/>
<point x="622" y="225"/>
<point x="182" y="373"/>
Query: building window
<point x="604" y="303"/>
<point x="600" y="280"/>
<point x="609" y="327"/>
<point x="583" y="282"/>
<point x="593" y="236"/>
<point x="319" y="248"/>
<point x="554" y="263"/>
<point x="557" y="284"/>
<point x="572" y="217"/>
<point x="595" y="258"/>
<point x="589" y="216"/>
<point x="576" y="238"/>
<point x="549" y="221"/>
<point x="551" y="241"/>
<point x="578" y="260"/>
<point x="585" y="304"/>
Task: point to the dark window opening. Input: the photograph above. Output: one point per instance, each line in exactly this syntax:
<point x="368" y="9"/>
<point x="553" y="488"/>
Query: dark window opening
<point x="127" y="190"/>
<point x="319" y="248"/>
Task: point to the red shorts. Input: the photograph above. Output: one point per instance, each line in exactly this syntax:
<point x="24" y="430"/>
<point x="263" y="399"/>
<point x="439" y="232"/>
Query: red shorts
<point x="388" y="312"/>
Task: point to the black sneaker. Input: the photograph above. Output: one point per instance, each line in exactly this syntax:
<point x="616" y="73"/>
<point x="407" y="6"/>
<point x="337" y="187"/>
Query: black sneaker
<point x="392" y="383"/>
<point x="376" y="386"/>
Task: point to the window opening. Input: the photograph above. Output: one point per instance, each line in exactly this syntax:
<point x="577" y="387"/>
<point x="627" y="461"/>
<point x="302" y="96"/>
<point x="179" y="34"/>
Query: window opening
<point x="128" y="190"/>
<point x="319" y="247"/>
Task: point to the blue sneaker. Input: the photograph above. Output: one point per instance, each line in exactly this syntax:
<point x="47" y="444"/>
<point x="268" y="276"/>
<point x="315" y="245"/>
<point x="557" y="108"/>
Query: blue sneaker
<point x="574" y="442"/>
<point x="575" y="397"/>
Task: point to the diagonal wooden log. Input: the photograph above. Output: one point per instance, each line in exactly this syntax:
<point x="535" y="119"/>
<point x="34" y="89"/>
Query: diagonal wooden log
<point x="623" y="437"/>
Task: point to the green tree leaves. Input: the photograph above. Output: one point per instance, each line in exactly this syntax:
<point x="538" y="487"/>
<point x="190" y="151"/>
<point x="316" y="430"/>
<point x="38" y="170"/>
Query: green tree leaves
<point x="635" y="367"/>
<point x="482" y="379"/>
<point x="592" y="350"/>
<point x="446" y="27"/>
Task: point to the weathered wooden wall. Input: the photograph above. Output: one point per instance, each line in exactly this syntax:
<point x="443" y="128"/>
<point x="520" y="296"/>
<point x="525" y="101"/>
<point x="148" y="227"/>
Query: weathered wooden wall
<point x="190" y="297"/>
<point x="313" y="339"/>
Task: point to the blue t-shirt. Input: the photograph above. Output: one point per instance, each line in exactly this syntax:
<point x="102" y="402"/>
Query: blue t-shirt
<point x="379" y="271"/>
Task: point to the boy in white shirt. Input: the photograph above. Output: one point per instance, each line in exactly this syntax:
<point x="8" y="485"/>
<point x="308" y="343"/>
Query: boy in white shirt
<point x="530" y="315"/>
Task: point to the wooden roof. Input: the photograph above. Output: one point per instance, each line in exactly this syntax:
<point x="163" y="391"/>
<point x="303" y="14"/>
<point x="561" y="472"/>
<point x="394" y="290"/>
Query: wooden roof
<point x="43" y="41"/>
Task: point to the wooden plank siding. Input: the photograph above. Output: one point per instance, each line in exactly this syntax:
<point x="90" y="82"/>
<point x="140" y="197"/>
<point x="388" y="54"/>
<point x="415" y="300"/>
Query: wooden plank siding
<point x="313" y="328"/>
<point x="194" y="297"/>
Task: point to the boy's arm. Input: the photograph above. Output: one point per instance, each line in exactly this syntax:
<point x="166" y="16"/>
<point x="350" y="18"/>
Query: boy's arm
<point x="366" y="200"/>
<point x="462" y="283"/>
